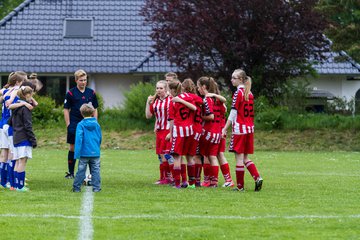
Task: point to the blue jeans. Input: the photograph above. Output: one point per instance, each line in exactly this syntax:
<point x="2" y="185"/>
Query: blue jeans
<point x="94" y="165"/>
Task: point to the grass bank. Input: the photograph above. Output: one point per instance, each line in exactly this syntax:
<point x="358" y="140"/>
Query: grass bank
<point x="283" y="140"/>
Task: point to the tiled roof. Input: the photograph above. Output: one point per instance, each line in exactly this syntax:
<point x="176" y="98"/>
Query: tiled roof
<point x="333" y="66"/>
<point x="31" y="38"/>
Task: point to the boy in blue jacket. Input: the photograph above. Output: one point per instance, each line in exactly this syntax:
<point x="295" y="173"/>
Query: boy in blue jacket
<point x="87" y="148"/>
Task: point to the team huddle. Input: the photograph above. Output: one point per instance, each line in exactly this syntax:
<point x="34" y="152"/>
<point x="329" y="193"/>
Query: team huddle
<point x="191" y="124"/>
<point x="17" y="138"/>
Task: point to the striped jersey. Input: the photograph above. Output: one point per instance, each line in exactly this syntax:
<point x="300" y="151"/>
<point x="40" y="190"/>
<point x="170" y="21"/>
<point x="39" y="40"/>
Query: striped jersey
<point x="244" y="122"/>
<point x="182" y="116"/>
<point x="160" y="108"/>
<point x="212" y="129"/>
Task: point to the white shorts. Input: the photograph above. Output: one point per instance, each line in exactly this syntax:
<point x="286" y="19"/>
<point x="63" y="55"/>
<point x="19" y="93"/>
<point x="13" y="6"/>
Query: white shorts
<point x="4" y="137"/>
<point x="23" y="151"/>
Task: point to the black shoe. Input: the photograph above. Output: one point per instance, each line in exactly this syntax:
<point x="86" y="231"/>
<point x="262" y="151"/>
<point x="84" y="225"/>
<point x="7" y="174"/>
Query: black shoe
<point x="258" y="184"/>
<point x="69" y="175"/>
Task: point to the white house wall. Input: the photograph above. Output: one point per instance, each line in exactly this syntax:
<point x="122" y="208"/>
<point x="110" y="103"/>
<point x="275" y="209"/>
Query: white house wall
<point x="112" y="88"/>
<point x="337" y="85"/>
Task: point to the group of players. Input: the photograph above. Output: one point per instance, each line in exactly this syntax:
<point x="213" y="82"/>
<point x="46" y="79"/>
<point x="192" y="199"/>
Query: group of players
<point x="190" y="124"/>
<point x="16" y="135"/>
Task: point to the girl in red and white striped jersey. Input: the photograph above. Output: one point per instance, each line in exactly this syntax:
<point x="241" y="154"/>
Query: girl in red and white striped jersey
<point x="158" y="105"/>
<point x="242" y="120"/>
<point x="224" y="165"/>
<point x="190" y="88"/>
<point x="211" y="135"/>
<point x="181" y="113"/>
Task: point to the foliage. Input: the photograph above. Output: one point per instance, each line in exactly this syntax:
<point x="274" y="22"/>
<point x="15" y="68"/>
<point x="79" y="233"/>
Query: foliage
<point x="118" y="120"/>
<point x="344" y="25"/>
<point x="6" y="6"/>
<point x="271" y="40"/>
<point x="294" y="96"/>
<point x="270" y="119"/>
<point x="46" y="111"/>
<point x="340" y="106"/>
<point x="135" y="100"/>
<point x="100" y="108"/>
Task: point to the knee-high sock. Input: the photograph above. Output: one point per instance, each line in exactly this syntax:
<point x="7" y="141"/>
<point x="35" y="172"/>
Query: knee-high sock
<point x="11" y="176"/>
<point x="252" y="169"/>
<point x="225" y="169"/>
<point x="4" y="173"/>
<point x="71" y="162"/>
<point x="240" y="176"/>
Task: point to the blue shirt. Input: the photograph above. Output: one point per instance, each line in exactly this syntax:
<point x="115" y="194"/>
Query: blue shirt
<point x="74" y="99"/>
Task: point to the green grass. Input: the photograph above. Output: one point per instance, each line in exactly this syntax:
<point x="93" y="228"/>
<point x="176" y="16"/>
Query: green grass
<point x="306" y="195"/>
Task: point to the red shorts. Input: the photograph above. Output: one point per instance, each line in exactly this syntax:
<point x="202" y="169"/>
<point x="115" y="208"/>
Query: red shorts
<point x="180" y="145"/>
<point x="193" y="146"/>
<point x="242" y="143"/>
<point x="162" y="146"/>
<point x="222" y="144"/>
<point x="207" y="148"/>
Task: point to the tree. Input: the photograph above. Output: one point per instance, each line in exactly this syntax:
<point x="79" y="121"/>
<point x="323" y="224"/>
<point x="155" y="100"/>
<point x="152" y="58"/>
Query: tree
<point x="6" y="6"/>
<point x="271" y="40"/>
<point x="344" y="25"/>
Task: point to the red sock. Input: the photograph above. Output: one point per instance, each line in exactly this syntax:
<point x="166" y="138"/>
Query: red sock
<point x="183" y="173"/>
<point x="191" y="173"/>
<point x="252" y="169"/>
<point x="177" y="173"/>
<point x="207" y="171"/>
<point x="166" y="170"/>
<point x="214" y="175"/>
<point x="162" y="172"/>
<point x="240" y="173"/>
<point x="171" y="172"/>
<point x="225" y="169"/>
<point x="198" y="168"/>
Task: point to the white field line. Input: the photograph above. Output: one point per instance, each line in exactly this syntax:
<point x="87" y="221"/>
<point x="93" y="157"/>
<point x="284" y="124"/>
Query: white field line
<point x="321" y="174"/>
<point x="177" y="217"/>
<point x="85" y="219"/>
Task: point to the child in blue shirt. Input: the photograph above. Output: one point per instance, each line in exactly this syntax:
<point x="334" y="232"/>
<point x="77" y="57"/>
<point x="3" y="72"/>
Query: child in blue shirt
<point x="87" y="148"/>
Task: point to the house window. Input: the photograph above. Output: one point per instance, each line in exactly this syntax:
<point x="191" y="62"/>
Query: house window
<point x="78" y="28"/>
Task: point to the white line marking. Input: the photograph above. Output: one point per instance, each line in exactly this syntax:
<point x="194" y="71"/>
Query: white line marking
<point x="321" y="174"/>
<point x="86" y="227"/>
<point x="155" y="216"/>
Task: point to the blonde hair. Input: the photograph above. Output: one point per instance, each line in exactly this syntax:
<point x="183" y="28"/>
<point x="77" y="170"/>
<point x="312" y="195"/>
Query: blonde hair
<point x="23" y="91"/>
<point x="16" y="77"/>
<point x="87" y="109"/>
<point x="246" y="80"/>
<point x="176" y="85"/>
<point x="79" y="73"/>
<point x="172" y="75"/>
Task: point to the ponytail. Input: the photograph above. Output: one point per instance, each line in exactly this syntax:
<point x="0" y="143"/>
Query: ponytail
<point x="175" y="85"/>
<point x="247" y="83"/>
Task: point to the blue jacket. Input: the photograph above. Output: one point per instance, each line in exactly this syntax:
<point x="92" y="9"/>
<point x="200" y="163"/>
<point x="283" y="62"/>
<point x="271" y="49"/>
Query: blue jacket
<point x="88" y="138"/>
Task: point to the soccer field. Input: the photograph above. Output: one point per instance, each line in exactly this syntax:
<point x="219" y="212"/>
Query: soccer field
<point x="305" y="195"/>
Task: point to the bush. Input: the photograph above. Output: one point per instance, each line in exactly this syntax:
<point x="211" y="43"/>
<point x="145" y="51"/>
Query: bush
<point x="46" y="111"/>
<point x="115" y="119"/>
<point x="340" y="106"/>
<point x="101" y="104"/>
<point x="268" y="120"/>
<point x="135" y="100"/>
